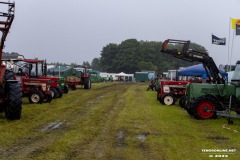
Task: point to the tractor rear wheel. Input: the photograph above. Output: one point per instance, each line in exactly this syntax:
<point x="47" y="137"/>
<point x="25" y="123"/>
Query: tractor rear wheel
<point x="182" y="101"/>
<point x="204" y="108"/>
<point x="36" y="96"/>
<point x="189" y="111"/>
<point x="73" y="87"/>
<point x="54" y="93"/>
<point x="168" y="99"/>
<point x="65" y="89"/>
<point x="87" y="83"/>
<point x="13" y="94"/>
<point x="60" y="92"/>
<point x="48" y="98"/>
<point x="238" y="112"/>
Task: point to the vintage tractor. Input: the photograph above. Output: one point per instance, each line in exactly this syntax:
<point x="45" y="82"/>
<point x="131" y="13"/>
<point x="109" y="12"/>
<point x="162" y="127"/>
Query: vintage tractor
<point x="73" y="77"/>
<point x="85" y="78"/>
<point x="206" y="100"/>
<point x="39" y="70"/>
<point x="10" y="90"/>
<point x="36" y="89"/>
<point x="170" y="91"/>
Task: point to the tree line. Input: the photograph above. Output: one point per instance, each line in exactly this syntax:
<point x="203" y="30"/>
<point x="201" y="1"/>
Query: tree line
<point x="132" y="55"/>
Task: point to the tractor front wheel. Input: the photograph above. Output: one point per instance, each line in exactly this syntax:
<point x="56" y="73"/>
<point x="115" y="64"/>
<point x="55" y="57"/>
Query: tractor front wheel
<point x="168" y="99"/>
<point x="36" y="96"/>
<point x="204" y="108"/>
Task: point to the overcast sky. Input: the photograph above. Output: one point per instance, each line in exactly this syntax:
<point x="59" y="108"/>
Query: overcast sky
<point x="73" y="31"/>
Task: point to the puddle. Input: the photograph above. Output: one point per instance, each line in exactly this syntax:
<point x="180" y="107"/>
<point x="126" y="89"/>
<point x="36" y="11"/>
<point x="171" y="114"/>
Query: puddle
<point x="217" y="138"/>
<point x="95" y="101"/>
<point x="120" y="138"/>
<point x="142" y="138"/>
<point x="52" y="126"/>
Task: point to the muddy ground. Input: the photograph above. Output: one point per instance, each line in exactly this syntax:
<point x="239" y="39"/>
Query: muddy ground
<point x="111" y="121"/>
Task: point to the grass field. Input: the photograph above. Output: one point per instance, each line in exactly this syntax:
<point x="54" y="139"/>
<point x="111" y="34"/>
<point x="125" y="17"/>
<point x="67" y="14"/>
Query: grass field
<point x="115" y="121"/>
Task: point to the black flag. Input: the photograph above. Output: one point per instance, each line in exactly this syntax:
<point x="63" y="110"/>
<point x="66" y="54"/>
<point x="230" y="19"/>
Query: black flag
<point x="218" y="41"/>
<point x="237" y="29"/>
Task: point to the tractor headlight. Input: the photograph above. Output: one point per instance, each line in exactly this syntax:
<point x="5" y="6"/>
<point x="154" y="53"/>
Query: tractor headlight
<point x="166" y="89"/>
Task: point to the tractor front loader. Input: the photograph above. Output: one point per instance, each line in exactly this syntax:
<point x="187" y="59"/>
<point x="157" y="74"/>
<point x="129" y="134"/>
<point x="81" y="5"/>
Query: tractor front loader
<point x="206" y="100"/>
<point x="10" y="90"/>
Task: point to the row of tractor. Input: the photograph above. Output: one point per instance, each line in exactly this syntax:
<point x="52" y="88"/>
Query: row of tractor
<point x="201" y="100"/>
<point x="20" y="77"/>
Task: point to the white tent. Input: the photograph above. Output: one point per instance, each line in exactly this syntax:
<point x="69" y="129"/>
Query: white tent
<point x="124" y="77"/>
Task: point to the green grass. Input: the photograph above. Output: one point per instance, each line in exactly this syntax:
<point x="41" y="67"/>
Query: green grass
<point x="171" y="131"/>
<point x="114" y="121"/>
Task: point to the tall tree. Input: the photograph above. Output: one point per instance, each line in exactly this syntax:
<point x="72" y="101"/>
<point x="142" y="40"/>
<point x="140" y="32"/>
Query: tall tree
<point x="87" y="64"/>
<point x="96" y="64"/>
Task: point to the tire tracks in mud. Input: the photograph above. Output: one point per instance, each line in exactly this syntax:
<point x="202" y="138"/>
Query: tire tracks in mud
<point x="107" y="135"/>
<point x="37" y="142"/>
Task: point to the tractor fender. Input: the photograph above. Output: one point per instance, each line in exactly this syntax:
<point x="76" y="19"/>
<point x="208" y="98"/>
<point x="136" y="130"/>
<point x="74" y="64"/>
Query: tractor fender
<point x="212" y="96"/>
<point x="12" y="81"/>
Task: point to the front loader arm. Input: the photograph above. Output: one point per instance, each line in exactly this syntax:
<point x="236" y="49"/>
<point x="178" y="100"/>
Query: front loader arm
<point x="192" y="55"/>
<point x="6" y="22"/>
<point x="6" y="19"/>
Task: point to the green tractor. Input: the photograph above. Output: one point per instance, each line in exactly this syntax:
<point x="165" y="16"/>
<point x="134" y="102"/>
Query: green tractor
<point x="207" y="100"/>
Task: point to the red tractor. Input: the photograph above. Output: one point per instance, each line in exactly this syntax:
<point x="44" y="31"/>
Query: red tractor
<point x="85" y="78"/>
<point x="170" y="91"/>
<point x="36" y="89"/>
<point x="10" y="90"/>
<point x="39" y="70"/>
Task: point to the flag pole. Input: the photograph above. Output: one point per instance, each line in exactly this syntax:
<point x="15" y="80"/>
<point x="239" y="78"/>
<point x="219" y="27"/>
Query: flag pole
<point x="211" y="44"/>
<point x="231" y="52"/>
<point x="229" y="41"/>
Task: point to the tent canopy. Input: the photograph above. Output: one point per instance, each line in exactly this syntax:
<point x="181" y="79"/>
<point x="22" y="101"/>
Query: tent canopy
<point x="197" y="70"/>
<point x="121" y="74"/>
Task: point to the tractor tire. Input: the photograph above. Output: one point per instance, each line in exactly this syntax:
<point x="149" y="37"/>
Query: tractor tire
<point x="238" y="112"/>
<point x="60" y="92"/>
<point x="189" y="111"/>
<point x="13" y="94"/>
<point x="182" y="101"/>
<point x="161" y="101"/>
<point x="36" y="96"/>
<point x="73" y="87"/>
<point x="65" y="89"/>
<point x="54" y="93"/>
<point x="87" y="83"/>
<point x="48" y="98"/>
<point x="168" y="99"/>
<point x="204" y="108"/>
